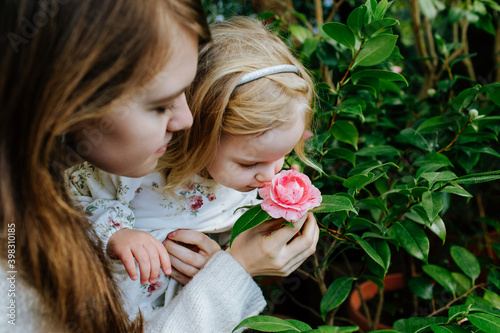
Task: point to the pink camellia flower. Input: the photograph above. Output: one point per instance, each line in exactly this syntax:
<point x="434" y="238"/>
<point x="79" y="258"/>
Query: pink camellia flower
<point x="289" y="195"/>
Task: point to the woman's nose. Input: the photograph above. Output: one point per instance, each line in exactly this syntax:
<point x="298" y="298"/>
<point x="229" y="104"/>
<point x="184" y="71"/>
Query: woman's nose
<point x="181" y="118"/>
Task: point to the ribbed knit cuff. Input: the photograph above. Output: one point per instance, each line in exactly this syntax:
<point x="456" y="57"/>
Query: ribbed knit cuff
<point x="217" y="299"/>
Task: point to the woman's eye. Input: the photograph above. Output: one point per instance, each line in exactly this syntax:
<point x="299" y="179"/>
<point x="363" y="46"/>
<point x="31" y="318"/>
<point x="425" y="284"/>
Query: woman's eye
<point x="163" y="109"/>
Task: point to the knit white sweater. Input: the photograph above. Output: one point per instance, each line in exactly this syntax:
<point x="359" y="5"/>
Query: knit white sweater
<point x="220" y="296"/>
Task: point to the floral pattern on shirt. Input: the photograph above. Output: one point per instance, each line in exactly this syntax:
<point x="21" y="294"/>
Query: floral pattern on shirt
<point x="193" y="194"/>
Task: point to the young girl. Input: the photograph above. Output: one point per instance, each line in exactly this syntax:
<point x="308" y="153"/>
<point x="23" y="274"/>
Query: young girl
<point x="72" y="74"/>
<point x="251" y="106"/>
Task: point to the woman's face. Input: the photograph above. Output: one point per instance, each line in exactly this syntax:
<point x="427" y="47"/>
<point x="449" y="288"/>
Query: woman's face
<point x="134" y="135"/>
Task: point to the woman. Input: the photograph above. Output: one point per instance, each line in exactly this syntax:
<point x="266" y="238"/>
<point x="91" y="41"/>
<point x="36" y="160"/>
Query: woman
<point x="78" y="78"/>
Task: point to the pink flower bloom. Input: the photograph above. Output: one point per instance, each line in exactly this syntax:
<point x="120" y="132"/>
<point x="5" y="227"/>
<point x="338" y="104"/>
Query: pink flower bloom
<point x="194" y="203"/>
<point x="211" y="197"/>
<point x="289" y="195"/>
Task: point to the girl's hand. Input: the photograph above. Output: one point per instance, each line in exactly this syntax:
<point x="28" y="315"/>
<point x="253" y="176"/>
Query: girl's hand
<point x="270" y="250"/>
<point x="150" y="254"/>
<point x="191" y="256"/>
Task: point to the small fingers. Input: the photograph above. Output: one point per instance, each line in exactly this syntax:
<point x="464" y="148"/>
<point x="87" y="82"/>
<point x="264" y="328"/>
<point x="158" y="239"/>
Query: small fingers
<point x="129" y="263"/>
<point x="154" y="262"/>
<point x="164" y="259"/>
<point x="142" y="257"/>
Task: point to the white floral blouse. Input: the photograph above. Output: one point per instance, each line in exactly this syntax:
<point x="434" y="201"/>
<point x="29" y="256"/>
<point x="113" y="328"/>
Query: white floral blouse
<point x="114" y="202"/>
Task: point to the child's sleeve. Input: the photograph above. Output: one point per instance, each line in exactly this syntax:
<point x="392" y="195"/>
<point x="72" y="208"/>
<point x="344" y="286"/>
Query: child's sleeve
<point x="104" y="197"/>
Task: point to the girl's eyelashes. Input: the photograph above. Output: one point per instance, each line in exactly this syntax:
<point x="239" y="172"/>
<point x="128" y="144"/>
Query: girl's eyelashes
<point x="248" y="166"/>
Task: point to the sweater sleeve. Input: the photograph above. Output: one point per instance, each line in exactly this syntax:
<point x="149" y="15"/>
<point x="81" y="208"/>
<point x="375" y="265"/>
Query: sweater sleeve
<point x="104" y="197"/>
<point x="217" y="299"/>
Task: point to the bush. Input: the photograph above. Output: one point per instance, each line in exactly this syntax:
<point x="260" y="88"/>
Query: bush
<point x="408" y="133"/>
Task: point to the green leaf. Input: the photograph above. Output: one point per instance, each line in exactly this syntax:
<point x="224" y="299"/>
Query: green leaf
<point x="338" y="329"/>
<point x="357" y="182"/>
<point x="379" y="25"/>
<point x="356" y="19"/>
<point x="341" y="33"/>
<point x="463" y="282"/>
<point x="379" y="74"/>
<point x="485" y="322"/>
<point x="421" y="286"/>
<point x="433" y="158"/>
<point x="367" y="167"/>
<point x="442" y="276"/>
<point x="492" y="297"/>
<point x="466" y="261"/>
<point x="267" y="324"/>
<point x="412" y="238"/>
<point x="376" y="50"/>
<point x="430" y="8"/>
<point x="300" y="32"/>
<point x="433" y="177"/>
<point x="448" y="329"/>
<point x="478" y="177"/>
<point x="418" y="324"/>
<point x="336" y="294"/>
<point x="346" y="132"/>
<point x="494" y="277"/>
<point x="369" y="250"/>
<point x="334" y="203"/>
<point x="432" y="203"/>
<point x="438" y="228"/>
<point x="353" y="106"/>
<point x="456" y="189"/>
<point x="382" y="150"/>
<point x="251" y="218"/>
<point x="342" y="153"/>
<point x="434" y="124"/>
<point x="492" y="91"/>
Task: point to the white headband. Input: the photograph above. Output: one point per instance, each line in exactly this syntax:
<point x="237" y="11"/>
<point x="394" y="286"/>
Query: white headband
<point x="267" y="71"/>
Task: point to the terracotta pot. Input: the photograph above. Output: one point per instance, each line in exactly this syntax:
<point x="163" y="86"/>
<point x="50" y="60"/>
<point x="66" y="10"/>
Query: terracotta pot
<point x="369" y="290"/>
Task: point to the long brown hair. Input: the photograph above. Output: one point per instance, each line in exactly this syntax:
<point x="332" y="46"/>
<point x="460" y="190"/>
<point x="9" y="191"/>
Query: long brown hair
<point x="63" y="63"/>
<point x="239" y="45"/>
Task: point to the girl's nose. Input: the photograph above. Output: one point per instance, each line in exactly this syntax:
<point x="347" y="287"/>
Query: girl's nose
<point x="181" y="118"/>
<point x="266" y="174"/>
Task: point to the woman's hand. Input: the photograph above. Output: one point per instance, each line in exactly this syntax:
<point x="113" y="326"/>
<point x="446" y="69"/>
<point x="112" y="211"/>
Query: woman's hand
<point x="189" y="257"/>
<point x="270" y="250"/>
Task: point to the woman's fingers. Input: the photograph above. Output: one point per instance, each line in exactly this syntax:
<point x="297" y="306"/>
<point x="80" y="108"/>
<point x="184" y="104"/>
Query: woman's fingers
<point x="205" y="244"/>
<point x="181" y="278"/>
<point x="188" y="269"/>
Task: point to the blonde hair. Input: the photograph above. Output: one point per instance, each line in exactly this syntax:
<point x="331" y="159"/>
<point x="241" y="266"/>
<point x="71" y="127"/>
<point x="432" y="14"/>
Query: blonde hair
<point x="62" y="64"/>
<point x="220" y="107"/>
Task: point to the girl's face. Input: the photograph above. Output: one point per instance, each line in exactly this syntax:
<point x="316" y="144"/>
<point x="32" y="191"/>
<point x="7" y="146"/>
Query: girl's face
<point x="135" y="134"/>
<point x="245" y="162"/>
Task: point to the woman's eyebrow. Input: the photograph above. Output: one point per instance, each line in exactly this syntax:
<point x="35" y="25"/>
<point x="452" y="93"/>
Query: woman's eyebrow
<point x="165" y="99"/>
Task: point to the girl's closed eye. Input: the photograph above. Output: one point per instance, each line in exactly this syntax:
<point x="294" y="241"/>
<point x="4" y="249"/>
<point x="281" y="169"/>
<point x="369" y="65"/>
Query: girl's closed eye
<point x="248" y="166"/>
